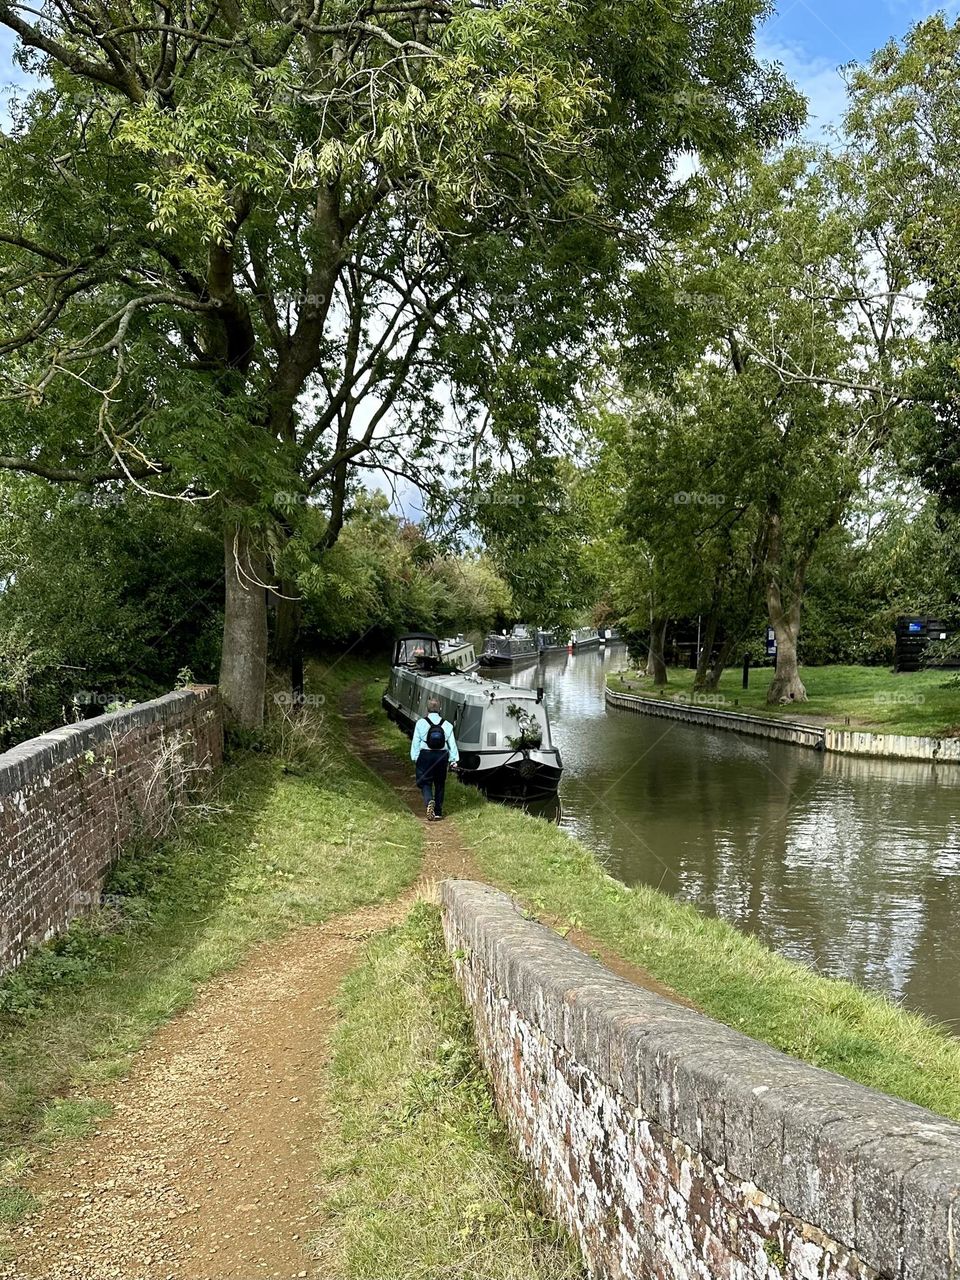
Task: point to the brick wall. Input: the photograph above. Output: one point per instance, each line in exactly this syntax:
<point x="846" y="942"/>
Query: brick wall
<point x="674" y="1147"/>
<point x="70" y="799"/>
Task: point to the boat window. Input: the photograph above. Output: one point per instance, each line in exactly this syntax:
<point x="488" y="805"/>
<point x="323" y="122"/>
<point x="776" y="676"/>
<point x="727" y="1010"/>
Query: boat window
<point x="415" y="649"/>
<point x="471" y="720"/>
<point x="491" y="739"/>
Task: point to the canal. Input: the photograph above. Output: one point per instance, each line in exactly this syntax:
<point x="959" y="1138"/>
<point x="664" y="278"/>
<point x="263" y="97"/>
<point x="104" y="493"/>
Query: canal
<point x="849" y="865"/>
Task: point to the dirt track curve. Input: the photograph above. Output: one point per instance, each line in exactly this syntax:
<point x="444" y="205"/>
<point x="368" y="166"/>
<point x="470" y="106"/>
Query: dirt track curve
<point x="205" y="1169"/>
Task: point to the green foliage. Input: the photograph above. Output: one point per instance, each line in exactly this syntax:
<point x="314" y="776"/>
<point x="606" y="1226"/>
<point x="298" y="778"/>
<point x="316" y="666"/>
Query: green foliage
<point x="257" y="254"/>
<point x="529" y="731"/>
<point x="536" y="523"/>
<point x="760" y="403"/>
<point x="384" y="576"/>
<point x="904" y="122"/>
<point x="106" y="598"/>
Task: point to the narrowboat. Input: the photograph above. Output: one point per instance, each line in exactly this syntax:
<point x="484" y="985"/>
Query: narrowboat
<point x="503" y="731"/>
<point x="584" y="638"/>
<point x="550" y="642"/>
<point x="513" y="650"/>
<point x="459" y="653"/>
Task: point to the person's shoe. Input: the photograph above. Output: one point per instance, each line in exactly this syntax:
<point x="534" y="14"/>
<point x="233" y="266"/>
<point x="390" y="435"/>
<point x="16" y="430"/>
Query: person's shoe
<point x="438" y="817"/>
<point x="431" y="813"/>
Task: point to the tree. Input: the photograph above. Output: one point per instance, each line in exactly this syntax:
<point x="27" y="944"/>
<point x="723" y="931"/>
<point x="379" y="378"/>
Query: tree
<point x="246" y="242"/>
<point x="536" y="527"/>
<point x="104" y="596"/>
<point x="904" y="125"/>
<point x="384" y="576"/>
<point x="790" y="331"/>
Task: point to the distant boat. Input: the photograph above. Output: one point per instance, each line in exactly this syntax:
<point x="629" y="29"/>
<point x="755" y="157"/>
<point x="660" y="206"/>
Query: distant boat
<point x="459" y="653"/>
<point x="584" y="638"/>
<point x="503" y="731"/>
<point x="550" y="642"/>
<point x="513" y="650"/>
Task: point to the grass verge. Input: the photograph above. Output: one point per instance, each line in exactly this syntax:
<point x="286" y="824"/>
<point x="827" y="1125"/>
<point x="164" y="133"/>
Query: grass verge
<point x="730" y="975"/>
<point x="297" y="840"/>
<point x="429" y="1188"/>
<point x="919" y="703"/>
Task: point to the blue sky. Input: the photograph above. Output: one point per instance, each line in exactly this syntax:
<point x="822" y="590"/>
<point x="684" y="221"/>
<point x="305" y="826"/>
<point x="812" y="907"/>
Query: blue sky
<point x="815" y="38"/>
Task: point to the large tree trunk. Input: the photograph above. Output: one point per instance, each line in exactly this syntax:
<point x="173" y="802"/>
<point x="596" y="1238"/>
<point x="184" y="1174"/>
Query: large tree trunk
<point x="784" y="614"/>
<point x="720" y="664"/>
<point x="707" y="640"/>
<point x="787" y="685"/>
<point x="656" y="663"/>
<point x="243" y="665"/>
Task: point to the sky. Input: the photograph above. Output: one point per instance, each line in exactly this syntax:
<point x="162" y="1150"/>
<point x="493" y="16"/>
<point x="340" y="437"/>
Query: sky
<point x="814" y="39"/>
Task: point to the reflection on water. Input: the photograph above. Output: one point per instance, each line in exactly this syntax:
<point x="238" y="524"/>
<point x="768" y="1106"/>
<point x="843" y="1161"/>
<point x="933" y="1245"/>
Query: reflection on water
<point x="850" y="865"/>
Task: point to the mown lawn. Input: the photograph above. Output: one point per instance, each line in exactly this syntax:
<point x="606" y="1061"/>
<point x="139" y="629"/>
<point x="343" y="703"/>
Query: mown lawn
<point x="925" y="703"/>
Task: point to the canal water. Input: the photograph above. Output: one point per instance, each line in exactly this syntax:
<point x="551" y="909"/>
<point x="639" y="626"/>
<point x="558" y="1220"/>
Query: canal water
<point x="849" y="865"/>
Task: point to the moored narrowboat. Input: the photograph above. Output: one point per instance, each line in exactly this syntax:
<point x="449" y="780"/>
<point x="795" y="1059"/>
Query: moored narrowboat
<point x="584" y="638"/>
<point x="551" y="641"/>
<point x="459" y="653"/>
<point x="503" y="731"/>
<point x="513" y="650"/>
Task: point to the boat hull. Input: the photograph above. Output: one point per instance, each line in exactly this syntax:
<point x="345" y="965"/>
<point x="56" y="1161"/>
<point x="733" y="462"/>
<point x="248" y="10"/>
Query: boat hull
<point x="530" y="774"/>
<point x="508" y="660"/>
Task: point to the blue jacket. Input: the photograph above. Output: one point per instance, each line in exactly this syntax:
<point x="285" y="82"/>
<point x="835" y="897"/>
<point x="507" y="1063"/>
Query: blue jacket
<point x="420" y="738"/>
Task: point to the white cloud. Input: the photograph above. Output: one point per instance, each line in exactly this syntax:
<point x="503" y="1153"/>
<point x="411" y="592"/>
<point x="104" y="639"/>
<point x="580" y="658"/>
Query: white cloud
<point x="817" y="78"/>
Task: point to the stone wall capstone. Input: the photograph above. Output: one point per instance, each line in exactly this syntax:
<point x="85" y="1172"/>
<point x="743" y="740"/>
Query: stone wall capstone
<point x="676" y="1148"/>
<point x="72" y="798"/>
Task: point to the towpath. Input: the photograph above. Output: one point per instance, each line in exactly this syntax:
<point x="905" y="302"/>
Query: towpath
<point x="205" y="1168"/>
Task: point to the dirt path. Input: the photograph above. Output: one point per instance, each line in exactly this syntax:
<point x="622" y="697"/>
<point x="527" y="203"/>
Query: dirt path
<point x="446" y="845"/>
<point x="205" y="1169"/>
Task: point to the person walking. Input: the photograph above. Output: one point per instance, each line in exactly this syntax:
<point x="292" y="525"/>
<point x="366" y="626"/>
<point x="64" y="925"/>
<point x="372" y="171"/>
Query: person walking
<point x="433" y="750"/>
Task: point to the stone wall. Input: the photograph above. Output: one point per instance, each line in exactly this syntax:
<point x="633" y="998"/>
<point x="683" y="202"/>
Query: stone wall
<point x="70" y="799"/>
<point x="675" y="1147"/>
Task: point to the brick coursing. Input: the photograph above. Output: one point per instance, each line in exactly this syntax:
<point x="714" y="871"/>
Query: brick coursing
<point x="71" y="799"/>
<point x="675" y="1148"/>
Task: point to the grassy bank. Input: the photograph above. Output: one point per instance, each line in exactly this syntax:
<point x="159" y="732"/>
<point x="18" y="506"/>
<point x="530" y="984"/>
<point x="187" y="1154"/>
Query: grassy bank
<point x="429" y="1187"/>
<point x="729" y="975"/>
<point x="924" y="703"/>
<point x="298" y="832"/>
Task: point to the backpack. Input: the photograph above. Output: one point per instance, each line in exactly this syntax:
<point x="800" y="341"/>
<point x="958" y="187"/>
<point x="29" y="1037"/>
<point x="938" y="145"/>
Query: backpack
<point x="436" y="736"/>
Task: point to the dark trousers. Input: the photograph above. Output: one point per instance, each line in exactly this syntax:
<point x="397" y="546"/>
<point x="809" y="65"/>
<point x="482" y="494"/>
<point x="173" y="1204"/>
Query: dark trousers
<point x="432" y="777"/>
